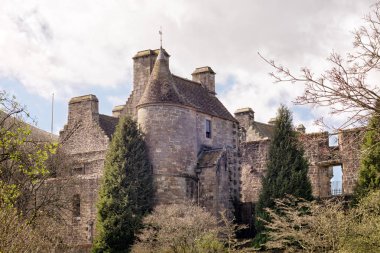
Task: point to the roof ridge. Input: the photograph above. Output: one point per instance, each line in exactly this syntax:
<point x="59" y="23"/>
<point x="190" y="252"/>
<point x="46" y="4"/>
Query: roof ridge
<point x="110" y="116"/>
<point x="186" y="79"/>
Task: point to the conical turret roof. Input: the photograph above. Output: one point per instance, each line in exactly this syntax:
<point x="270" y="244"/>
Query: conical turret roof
<point x="161" y="87"/>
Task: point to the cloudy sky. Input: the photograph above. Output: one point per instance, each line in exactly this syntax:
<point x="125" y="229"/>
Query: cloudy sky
<point x="77" y="47"/>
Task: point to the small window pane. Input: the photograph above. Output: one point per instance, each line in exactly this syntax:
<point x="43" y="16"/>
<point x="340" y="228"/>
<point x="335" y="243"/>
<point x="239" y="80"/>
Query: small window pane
<point x="208" y="128"/>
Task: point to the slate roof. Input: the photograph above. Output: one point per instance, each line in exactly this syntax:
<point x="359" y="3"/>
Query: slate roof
<point x="108" y="124"/>
<point x="198" y="97"/>
<point x="163" y="87"/>
<point x="264" y="130"/>
<point x="149" y="52"/>
<point x="210" y="158"/>
<point x="36" y="134"/>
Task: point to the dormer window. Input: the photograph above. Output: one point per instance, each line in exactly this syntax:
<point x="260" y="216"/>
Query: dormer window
<point x="208" y="128"/>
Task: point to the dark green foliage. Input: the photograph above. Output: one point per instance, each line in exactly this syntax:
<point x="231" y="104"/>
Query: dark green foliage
<point x="286" y="168"/>
<point x="369" y="173"/>
<point x="126" y="192"/>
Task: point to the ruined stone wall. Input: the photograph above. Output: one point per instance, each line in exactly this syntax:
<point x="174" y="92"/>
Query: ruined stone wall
<point x="253" y="166"/>
<point x="170" y="132"/>
<point x="349" y="148"/>
<point x="321" y="157"/>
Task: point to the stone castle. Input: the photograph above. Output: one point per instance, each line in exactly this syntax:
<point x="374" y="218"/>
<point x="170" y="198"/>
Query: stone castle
<point x="199" y="152"/>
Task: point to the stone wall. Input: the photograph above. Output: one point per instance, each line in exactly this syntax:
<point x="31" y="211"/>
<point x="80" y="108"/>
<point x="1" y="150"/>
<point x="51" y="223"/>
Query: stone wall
<point x="349" y="148"/>
<point x="224" y="132"/>
<point x="215" y="181"/>
<point x="176" y="137"/>
<point x="85" y="143"/>
<point x="253" y="166"/>
<point x="170" y="137"/>
<point x="321" y="155"/>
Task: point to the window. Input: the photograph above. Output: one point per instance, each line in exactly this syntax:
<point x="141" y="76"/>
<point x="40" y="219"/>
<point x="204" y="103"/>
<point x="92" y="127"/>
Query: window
<point x="76" y="205"/>
<point x="336" y="180"/>
<point x="79" y="170"/>
<point x="208" y="128"/>
<point x="333" y="140"/>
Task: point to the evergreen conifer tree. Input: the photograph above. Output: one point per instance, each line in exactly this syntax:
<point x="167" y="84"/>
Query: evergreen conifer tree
<point x="369" y="172"/>
<point x="286" y="167"/>
<point x="126" y="192"/>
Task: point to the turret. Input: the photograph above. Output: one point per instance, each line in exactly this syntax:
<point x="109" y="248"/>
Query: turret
<point x="143" y="63"/>
<point x="169" y="129"/>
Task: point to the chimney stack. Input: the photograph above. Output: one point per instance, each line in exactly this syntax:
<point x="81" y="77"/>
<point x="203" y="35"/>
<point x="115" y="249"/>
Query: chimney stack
<point x="205" y="76"/>
<point x="245" y="116"/>
<point x="85" y="108"/>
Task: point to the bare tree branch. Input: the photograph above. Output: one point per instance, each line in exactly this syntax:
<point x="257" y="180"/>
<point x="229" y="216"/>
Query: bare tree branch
<point x="344" y="87"/>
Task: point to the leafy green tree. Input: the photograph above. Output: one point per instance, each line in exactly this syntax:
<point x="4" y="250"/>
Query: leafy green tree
<point x="126" y="192"/>
<point x="28" y="212"/>
<point x="369" y="172"/>
<point x="286" y="168"/>
<point x="23" y="156"/>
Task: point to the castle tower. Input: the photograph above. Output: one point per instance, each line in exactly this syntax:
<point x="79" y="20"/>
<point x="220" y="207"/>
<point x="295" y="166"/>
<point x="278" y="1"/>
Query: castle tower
<point x="169" y="127"/>
<point x="143" y="63"/>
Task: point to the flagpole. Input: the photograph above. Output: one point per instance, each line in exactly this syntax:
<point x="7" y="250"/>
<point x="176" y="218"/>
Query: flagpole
<point x="52" y="114"/>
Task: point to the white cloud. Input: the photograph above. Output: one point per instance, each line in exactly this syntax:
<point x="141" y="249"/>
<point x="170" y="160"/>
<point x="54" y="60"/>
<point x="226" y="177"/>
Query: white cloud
<point x="69" y="46"/>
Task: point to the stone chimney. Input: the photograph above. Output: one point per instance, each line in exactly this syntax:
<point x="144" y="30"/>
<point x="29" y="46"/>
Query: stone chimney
<point x="116" y="111"/>
<point x="205" y="76"/>
<point x="85" y="108"/>
<point x="301" y="128"/>
<point x="245" y="116"/>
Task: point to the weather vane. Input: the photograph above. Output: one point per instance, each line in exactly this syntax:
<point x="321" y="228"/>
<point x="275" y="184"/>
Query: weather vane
<point x="160" y="32"/>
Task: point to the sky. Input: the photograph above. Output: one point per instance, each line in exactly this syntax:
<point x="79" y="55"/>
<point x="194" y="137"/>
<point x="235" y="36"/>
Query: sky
<point x="77" y="47"/>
